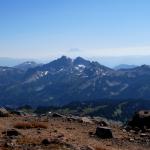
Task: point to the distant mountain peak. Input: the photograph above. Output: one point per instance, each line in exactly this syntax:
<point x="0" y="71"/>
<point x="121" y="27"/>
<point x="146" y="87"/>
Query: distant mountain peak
<point x="143" y="68"/>
<point x="59" y="63"/>
<point x="81" y="61"/>
<point x="64" y="58"/>
<point x="26" y="65"/>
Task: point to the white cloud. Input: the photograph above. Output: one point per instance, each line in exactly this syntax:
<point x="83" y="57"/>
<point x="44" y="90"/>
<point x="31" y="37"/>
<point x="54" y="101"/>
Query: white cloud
<point x="74" y="49"/>
<point x="129" y="51"/>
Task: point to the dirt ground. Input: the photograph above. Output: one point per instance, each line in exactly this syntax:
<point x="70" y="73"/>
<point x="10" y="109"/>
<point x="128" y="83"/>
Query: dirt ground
<point x="72" y="132"/>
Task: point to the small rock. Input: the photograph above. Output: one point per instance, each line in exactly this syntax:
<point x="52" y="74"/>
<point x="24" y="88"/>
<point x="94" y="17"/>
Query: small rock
<point x="4" y="112"/>
<point x="12" y="132"/>
<point x="56" y="115"/>
<point x="55" y="131"/>
<point x="91" y="134"/>
<point x="50" y="141"/>
<point x="131" y="140"/>
<point x="45" y="142"/>
<point x="86" y="120"/>
<point x="143" y="135"/>
<point x="60" y="136"/>
<point x="7" y="144"/>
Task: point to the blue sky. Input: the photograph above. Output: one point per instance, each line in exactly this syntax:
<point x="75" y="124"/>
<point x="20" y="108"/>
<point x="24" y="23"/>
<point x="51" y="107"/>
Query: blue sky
<point x="89" y="28"/>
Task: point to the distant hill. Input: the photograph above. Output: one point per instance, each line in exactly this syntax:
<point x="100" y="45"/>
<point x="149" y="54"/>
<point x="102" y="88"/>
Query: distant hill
<point x="113" y="61"/>
<point x="10" y="62"/>
<point x="125" y="66"/>
<point x="27" y="65"/>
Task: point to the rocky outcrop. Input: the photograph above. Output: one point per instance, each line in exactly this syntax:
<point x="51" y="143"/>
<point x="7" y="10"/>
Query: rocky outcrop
<point x="140" y="121"/>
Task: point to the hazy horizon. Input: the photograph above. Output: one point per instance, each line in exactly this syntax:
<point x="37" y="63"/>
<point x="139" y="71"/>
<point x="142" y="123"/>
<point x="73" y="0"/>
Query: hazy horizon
<point x="110" y="61"/>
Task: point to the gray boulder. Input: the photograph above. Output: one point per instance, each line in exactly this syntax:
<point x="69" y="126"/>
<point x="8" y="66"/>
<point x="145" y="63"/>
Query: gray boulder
<point x="141" y="120"/>
<point x="104" y="132"/>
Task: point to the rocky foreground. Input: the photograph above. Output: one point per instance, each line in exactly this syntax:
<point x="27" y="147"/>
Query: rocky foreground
<point x="58" y="132"/>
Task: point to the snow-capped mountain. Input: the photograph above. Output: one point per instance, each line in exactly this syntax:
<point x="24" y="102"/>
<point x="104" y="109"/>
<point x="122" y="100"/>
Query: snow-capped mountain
<point x="65" y="80"/>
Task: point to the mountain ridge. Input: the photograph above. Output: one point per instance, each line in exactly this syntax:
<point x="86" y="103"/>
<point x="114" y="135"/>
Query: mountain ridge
<point x="125" y="66"/>
<point x="65" y="80"/>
